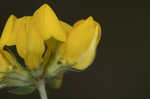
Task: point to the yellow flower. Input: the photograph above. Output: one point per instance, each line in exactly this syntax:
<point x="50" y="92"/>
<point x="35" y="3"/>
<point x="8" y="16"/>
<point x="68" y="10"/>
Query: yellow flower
<point x="49" y="48"/>
<point x="80" y="46"/>
<point x="29" y="33"/>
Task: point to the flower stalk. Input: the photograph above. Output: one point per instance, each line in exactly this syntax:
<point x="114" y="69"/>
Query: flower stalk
<point x="42" y="90"/>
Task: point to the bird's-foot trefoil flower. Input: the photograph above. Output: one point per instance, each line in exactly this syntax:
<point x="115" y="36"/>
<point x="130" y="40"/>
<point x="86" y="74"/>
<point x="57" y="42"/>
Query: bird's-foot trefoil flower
<point x="48" y="47"/>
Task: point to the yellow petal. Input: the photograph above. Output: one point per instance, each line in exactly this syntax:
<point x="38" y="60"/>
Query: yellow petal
<point x="5" y="62"/>
<point x="78" y="23"/>
<point x="3" y="66"/>
<point x="99" y="28"/>
<point x="80" y="47"/>
<point x="47" y="23"/>
<point x="88" y="56"/>
<point x="79" y="39"/>
<point x="8" y="36"/>
<point x="99" y="33"/>
<point x="66" y="27"/>
<point x="30" y="45"/>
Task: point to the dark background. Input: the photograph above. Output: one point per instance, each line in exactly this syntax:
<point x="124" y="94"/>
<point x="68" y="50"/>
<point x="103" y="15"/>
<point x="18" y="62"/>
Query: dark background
<point x="121" y="69"/>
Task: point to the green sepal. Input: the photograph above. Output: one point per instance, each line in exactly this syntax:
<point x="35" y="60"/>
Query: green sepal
<point x="56" y="82"/>
<point x="37" y="73"/>
<point x="22" y="90"/>
<point x="52" y="61"/>
<point x="74" y="70"/>
<point x="68" y="68"/>
<point x="55" y="66"/>
<point x="16" y="78"/>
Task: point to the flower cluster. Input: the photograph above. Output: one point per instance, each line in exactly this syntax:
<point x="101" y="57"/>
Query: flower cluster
<point x="48" y="46"/>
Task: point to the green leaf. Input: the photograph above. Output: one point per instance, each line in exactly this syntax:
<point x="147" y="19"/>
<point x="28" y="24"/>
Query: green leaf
<point x="22" y="90"/>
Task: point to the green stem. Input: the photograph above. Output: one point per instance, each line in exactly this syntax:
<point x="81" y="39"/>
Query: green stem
<point x="42" y="90"/>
